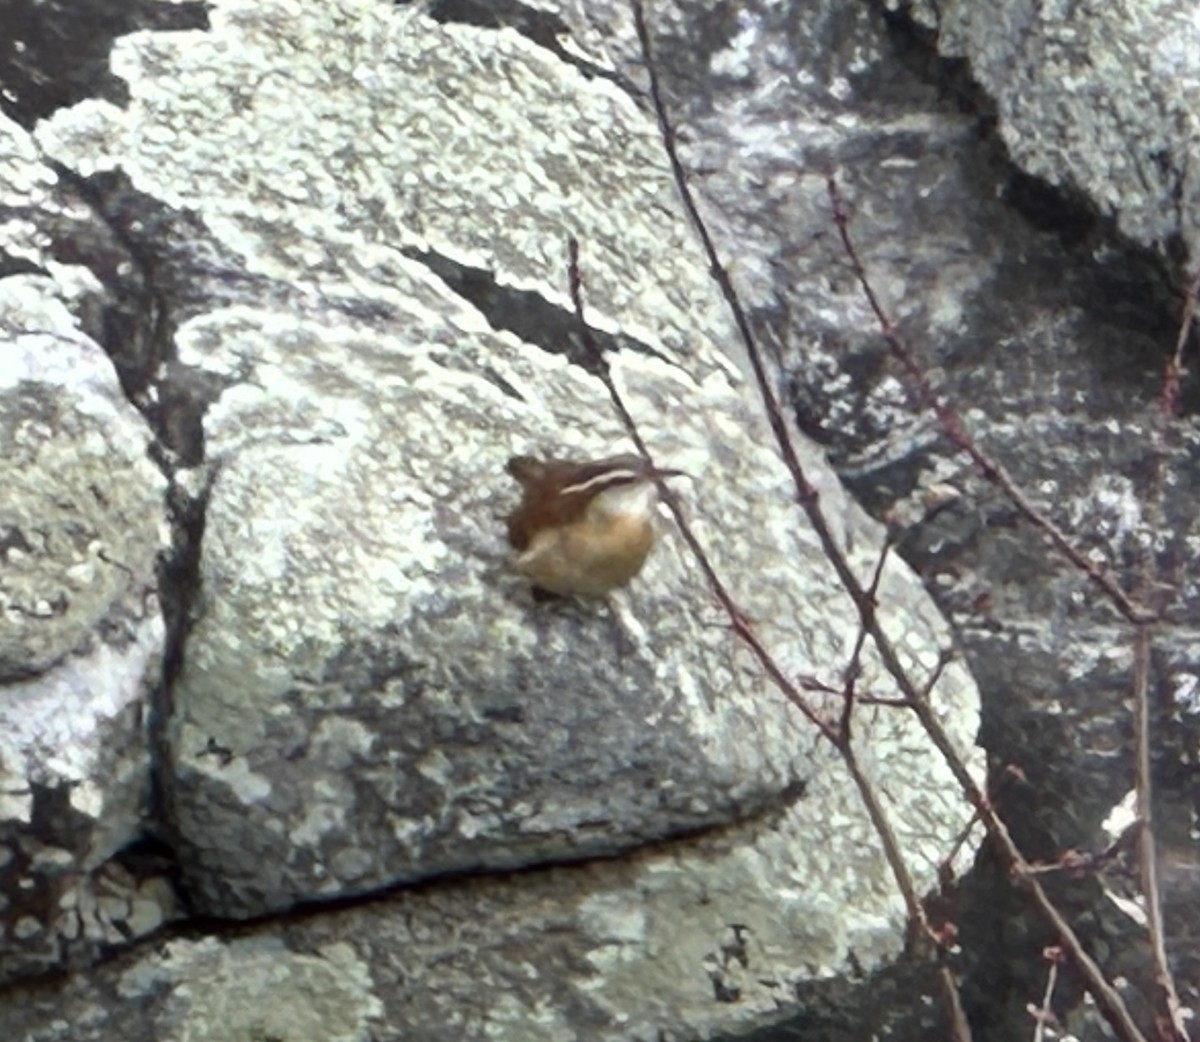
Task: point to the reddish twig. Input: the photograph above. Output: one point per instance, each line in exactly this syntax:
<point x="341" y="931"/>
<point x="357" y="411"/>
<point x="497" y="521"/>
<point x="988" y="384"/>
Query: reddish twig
<point x="1173" y="378"/>
<point x="807" y="497"/>
<point x="740" y="624"/>
<point x="1171" y="1020"/>
<point x="854" y="667"/>
<point x="1077" y="863"/>
<point x="1169" y="1015"/>
<point x="1045" y="1015"/>
<point x="953" y="427"/>
<point x="839" y="739"/>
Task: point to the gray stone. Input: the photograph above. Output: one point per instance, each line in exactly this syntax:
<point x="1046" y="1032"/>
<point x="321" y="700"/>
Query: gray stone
<point x="1098" y="98"/>
<point x="362" y="672"/>
<point x="680" y="942"/>
<point x="363" y="326"/>
<point x="82" y="520"/>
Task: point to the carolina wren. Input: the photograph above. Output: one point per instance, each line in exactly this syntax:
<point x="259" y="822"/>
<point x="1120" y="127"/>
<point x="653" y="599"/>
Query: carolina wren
<point x="583" y="528"/>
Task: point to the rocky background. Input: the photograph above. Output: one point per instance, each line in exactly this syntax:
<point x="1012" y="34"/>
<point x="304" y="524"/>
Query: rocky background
<point x="286" y="751"/>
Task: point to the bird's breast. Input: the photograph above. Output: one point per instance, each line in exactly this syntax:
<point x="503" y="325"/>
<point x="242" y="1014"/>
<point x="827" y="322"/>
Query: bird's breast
<point x="590" y="557"/>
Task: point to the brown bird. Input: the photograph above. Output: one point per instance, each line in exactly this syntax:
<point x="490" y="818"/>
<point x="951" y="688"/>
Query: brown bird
<point x="583" y="528"/>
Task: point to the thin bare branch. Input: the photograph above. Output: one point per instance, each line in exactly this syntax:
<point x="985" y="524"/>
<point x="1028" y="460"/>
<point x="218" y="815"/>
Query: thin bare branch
<point x="1108" y="1000"/>
<point x="854" y="667"/>
<point x="1173" y="378"/>
<point x="739" y="622"/>
<point x="955" y="429"/>
<point x="1169" y="1015"/>
<point x="918" y="922"/>
<point x="1045" y="1015"/>
<point x="1172" y="1026"/>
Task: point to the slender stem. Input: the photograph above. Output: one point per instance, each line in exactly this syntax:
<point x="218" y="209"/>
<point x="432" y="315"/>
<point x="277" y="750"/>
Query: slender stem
<point x="955" y="429"/>
<point x="1106" y="997"/>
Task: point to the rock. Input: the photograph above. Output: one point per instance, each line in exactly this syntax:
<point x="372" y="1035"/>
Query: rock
<point x="82" y="522"/>
<point x="347" y="230"/>
<point x="1097" y="99"/>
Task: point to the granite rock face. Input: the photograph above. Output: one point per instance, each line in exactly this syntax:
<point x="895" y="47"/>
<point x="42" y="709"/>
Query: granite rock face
<point x="1096" y="98"/>
<point x="323" y="251"/>
<point x="1047" y="318"/>
<point x="81" y="638"/>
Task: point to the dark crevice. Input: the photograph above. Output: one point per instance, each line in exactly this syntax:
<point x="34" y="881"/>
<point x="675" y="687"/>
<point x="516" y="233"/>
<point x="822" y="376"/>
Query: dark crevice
<point x="1067" y="215"/>
<point x="132" y="322"/>
<point x="544" y="28"/>
<point x="156" y="266"/>
<point x="766" y="813"/>
<point x="179" y="588"/>
<point x="145" y="257"/>
<point x="1059" y="209"/>
<point x="526" y="313"/>
<point x="155" y="856"/>
<point x="55" y="53"/>
<point x="915" y="48"/>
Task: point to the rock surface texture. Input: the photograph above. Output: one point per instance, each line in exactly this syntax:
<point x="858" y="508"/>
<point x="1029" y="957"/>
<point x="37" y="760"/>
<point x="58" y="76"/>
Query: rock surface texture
<point x="1096" y="98"/>
<point x="322" y="252"/>
<point x="284" y="286"/>
<point x="82" y="639"/>
<point x="1046" y="311"/>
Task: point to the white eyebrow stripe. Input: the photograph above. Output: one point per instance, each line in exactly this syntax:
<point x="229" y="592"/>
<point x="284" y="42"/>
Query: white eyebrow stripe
<point x="603" y="478"/>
